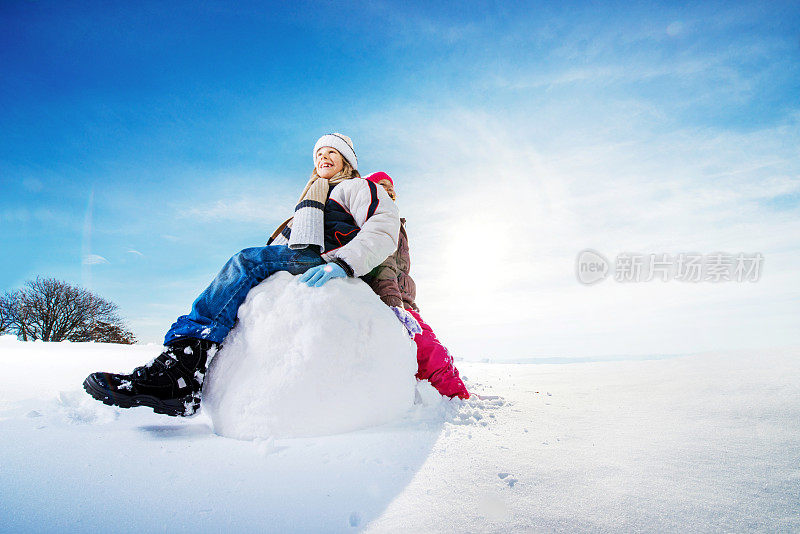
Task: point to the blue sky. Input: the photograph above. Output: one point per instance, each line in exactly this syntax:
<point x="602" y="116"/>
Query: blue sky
<point x="145" y="143"/>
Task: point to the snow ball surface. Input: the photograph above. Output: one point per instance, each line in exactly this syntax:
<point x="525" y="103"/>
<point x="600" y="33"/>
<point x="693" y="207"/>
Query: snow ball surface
<point x="310" y="361"/>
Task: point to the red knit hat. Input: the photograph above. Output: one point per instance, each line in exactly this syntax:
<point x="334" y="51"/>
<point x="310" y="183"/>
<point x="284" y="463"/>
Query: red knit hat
<point x="378" y="176"/>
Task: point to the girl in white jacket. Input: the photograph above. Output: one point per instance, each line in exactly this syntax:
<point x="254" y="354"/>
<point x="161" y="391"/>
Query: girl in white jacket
<point x="343" y="226"/>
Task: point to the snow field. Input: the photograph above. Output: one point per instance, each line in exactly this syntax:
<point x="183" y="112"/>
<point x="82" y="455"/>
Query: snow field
<point x="703" y="443"/>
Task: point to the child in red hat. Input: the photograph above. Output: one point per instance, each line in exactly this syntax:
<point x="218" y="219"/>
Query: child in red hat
<point x="393" y="284"/>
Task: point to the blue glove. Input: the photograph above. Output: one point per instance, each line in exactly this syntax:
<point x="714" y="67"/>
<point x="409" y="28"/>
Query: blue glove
<point x="411" y="325"/>
<point x="317" y="276"/>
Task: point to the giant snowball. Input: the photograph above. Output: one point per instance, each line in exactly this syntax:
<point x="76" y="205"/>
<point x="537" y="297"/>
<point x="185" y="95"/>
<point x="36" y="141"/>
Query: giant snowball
<point x="309" y="361"/>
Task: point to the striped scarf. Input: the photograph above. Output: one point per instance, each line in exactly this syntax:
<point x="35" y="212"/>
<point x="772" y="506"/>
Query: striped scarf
<point x="307" y="227"/>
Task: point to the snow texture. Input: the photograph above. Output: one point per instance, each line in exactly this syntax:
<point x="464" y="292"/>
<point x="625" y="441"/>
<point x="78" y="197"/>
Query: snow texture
<point x="309" y="361"/>
<point x="703" y="443"/>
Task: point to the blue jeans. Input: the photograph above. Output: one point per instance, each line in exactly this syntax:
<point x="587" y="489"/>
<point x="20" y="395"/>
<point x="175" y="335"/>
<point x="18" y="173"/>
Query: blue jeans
<point x="214" y="312"/>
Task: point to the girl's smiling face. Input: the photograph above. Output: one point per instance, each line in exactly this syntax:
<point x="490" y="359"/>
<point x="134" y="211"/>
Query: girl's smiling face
<point x="328" y="161"/>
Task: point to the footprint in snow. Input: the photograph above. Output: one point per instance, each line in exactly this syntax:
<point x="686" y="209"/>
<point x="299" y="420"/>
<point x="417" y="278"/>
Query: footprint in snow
<point x="505" y="477"/>
<point x="78" y="408"/>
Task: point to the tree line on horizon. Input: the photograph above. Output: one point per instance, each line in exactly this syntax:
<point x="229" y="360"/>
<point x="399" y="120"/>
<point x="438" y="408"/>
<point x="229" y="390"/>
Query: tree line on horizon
<point x="49" y="309"/>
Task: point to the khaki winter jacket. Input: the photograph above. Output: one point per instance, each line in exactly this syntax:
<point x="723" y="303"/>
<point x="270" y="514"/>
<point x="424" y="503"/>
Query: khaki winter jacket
<point x="391" y="280"/>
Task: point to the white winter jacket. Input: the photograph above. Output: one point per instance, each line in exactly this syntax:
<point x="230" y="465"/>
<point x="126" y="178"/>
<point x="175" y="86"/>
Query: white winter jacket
<point x="362" y="224"/>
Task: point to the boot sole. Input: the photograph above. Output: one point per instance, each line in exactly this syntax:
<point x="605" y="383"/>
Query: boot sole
<point x="181" y="407"/>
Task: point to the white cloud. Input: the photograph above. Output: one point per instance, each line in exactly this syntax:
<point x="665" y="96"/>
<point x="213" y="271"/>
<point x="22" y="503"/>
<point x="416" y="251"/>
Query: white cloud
<point x="243" y="200"/>
<point x="26" y="215"/>
<point x="94" y="259"/>
<point x="675" y="28"/>
<point x="498" y="211"/>
<point x="245" y="208"/>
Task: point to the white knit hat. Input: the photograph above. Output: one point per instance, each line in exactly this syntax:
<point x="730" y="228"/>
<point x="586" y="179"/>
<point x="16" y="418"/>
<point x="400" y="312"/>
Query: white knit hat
<point x="340" y="142"/>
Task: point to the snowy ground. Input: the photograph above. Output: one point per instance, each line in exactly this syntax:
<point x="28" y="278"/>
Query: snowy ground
<point x="701" y="443"/>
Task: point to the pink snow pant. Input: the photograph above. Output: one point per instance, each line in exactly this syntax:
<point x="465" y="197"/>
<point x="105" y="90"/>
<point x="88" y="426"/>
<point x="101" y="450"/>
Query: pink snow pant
<point x="435" y="363"/>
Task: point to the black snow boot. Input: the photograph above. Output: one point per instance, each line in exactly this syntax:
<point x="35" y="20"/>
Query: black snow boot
<point x="170" y="384"/>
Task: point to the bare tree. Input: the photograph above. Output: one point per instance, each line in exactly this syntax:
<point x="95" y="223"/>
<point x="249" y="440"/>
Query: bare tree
<point x="5" y="315"/>
<point x="52" y="310"/>
<point x="104" y="332"/>
<point x="16" y="313"/>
